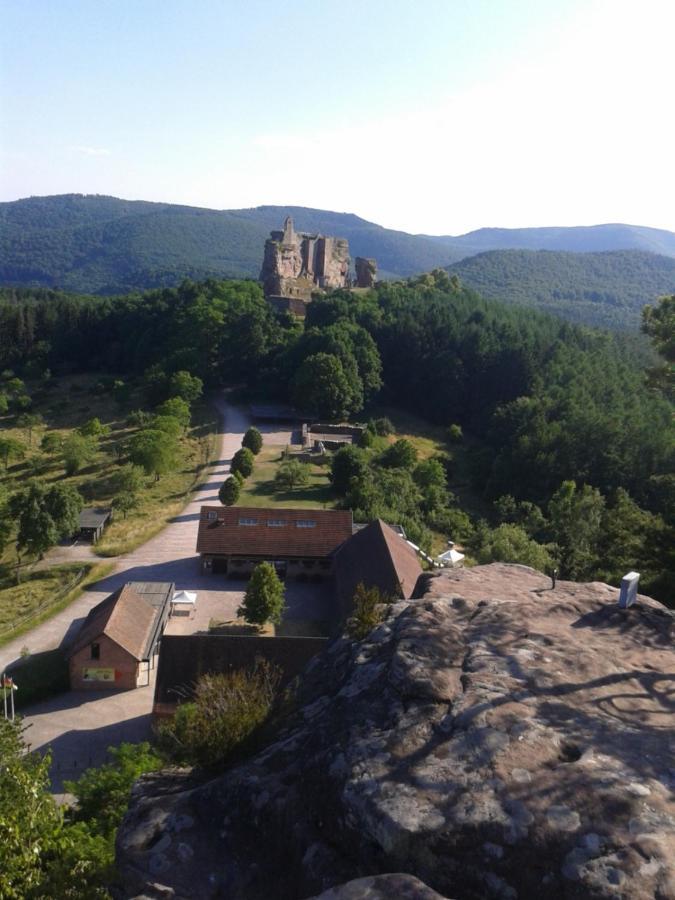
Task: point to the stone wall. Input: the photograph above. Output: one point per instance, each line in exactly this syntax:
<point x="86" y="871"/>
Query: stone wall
<point x="295" y="264"/>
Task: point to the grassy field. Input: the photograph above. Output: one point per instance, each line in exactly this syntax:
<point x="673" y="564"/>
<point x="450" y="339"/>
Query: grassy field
<point x="41" y="594"/>
<point x="65" y="404"/>
<point x="258" y="490"/>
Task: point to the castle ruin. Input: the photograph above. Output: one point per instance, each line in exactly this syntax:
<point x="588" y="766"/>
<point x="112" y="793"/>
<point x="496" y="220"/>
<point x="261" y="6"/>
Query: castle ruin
<point x="297" y="264"/>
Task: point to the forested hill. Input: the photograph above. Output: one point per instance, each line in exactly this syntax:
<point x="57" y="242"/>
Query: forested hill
<point x="103" y="245"/>
<point x="604" y="289"/>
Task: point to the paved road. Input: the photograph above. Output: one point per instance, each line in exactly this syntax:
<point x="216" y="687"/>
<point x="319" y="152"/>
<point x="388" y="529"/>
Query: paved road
<point x="80" y="725"/>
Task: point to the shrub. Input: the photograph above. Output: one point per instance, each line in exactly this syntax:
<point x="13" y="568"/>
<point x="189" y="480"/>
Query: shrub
<point x="253" y="441"/>
<point x="382" y="426"/>
<point x="229" y="491"/>
<point x="242" y="461"/>
<point x="401" y="455"/>
<point x="368" y="611"/>
<point x="225" y="710"/>
<point x="454" y="434"/>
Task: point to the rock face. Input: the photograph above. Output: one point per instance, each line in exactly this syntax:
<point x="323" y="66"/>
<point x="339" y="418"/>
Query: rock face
<point x="295" y="264"/>
<point x="494" y="738"/>
<point x="366" y="272"/>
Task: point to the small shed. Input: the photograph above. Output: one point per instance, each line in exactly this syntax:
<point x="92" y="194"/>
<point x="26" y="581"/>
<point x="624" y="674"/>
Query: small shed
<point x="92" y="522"/>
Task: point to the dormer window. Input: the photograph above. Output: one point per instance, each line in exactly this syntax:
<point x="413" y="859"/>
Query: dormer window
<point x="212" y="515"/>
<point x="305" y="523"/>
<point x="277" y="523"/>
<point x="248" y="521"/>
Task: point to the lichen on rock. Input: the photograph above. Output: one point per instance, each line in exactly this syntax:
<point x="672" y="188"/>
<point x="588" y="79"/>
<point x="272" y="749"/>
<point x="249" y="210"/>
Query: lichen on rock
<point x="497" y="739"/>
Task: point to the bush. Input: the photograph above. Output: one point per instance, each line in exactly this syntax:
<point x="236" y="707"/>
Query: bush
<point x="368" y="611"/>
<point x="454" y="434"/>
<point x="253" y="441"/>
<point x="225" y="710"/>
<point x="401" y="455"/>
<point x="382" y="426"/>
<point x="242" y="461"/>
<point x="229" y="491"/>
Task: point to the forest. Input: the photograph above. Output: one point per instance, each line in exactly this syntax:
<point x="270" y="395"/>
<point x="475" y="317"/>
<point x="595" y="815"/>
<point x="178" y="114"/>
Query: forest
<point x="606" y="290"/>
<point x="569" y="440"/>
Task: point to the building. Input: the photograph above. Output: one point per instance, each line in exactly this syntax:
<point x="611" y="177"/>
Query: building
<point x="117" y="643"/>
<point x="376" y="556"/>
<point x="184" y="659"/>
<point x="91" y="523"/>
<point x="296" y="265"/>
<point x="300" y="543"/>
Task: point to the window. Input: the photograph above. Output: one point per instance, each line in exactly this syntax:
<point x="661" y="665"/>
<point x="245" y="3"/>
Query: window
<point x="305" y="523"/>
<point x="248" y="521"/>
<point x="277" y="523"/>
<point x="212" y="515"/>
<point x="95" y="651"/>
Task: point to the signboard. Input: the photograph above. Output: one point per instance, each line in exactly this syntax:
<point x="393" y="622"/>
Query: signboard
<point x="98" y="675"/>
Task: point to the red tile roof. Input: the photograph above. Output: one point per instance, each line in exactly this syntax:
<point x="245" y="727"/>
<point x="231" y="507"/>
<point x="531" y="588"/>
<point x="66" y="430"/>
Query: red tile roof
<point x="221" y="531"/>
<point x="125" y="617"/>
<point x="379" y="557"/>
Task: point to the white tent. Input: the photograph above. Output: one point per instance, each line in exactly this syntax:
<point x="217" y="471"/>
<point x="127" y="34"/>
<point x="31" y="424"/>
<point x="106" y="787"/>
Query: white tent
<point x="450" y="558"/>
<point x="188" y="597"/>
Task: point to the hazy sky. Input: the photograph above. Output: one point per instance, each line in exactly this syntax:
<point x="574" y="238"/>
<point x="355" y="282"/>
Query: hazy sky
<point x="435" y="116"/>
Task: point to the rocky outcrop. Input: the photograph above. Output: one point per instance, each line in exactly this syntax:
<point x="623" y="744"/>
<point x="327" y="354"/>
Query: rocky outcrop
<point x="494" y="738"/>
<point x="366" y="272"/>
<point x="295" y="264"/>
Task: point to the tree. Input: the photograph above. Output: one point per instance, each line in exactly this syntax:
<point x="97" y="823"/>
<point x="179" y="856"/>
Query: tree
<point x="658" y="322"/>
<point x="242" y="461"/>
<point x="229" y="491"/>
<point x="94" y="428"/>
<point x="125" y="502"/>
<point x="321" y="385"/>
<point x="349" y="462"/>
<point x="154" y="450"/>
<point x="11" y="448"/>
<point x="78" y="452"/>
<point x="138" y="418"/>
<point x="176" y="408"/>
<point x="253" y="440"/>
<point x="185" y="386"/>
<point x="29" y="421"/>
<point x="167" y="425"/>
<point x="575" y="515"/>
<point x="64" y="503"/>
<point x="264" y="597"/>
<point x="383" y="426"/>
<point x="509" y="543"/>
<point x="127" y="479"/>
<point x="290" y="474"/>
<point x="51" y="443"/>
<point x="36" y="531"/>
<point x="454" y="433"/>
<point x="400" y="455"/>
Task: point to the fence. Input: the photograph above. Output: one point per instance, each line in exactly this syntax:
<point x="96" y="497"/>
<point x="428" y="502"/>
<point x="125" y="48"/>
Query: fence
<point x="34" y="613"/>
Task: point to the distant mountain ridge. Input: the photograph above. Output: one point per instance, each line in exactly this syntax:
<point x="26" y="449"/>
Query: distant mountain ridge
<point x="607" y="289"/>
<point x="104" y="245"/>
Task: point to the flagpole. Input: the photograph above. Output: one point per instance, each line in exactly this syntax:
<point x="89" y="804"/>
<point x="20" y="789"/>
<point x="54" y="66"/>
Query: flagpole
<point x="4" y="694"/>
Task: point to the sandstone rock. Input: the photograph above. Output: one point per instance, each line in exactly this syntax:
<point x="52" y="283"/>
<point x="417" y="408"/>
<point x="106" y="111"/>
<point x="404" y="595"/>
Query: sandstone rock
<point x="497" y="739"/>
<point x="366" y="272"/>
<point x="382" y="887"/>
<point x="295" y="264"/>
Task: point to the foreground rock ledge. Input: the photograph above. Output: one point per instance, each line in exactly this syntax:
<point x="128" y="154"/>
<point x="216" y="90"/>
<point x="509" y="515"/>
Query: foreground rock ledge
<point x="493" y="738"/>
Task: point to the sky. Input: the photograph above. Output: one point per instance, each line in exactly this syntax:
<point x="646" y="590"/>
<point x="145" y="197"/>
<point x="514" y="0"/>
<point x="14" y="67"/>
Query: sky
<point x="430" y="116"/>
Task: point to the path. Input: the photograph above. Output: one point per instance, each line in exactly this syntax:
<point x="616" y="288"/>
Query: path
<point x="169" y="556"/>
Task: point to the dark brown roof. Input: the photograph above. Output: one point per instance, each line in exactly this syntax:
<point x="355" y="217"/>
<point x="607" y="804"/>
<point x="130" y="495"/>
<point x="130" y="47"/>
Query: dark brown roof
<point x="92" y="518"/>
<point x="223" y="533"/>
<point x="131" y="617"/>
<point x="379" y="557"/>
<point x="183" y="659"/>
